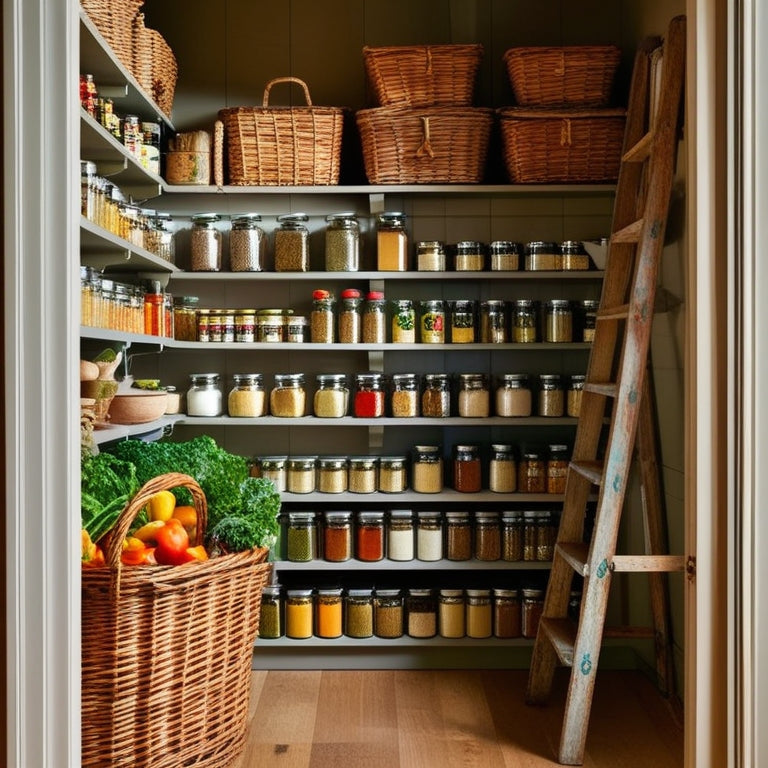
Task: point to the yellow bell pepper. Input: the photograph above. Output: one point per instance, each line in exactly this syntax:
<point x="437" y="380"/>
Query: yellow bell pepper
<point x="148" y="531"/>
<point x="161" y="506"/>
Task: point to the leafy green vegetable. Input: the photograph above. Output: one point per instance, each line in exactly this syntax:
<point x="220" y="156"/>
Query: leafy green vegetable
<point x="233" y="534"/>
<point x="106" y="486"/>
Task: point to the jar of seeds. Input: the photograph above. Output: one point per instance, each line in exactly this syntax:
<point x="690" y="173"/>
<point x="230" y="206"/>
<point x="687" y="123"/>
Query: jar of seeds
<point x="331" y="399"/>
<point x="296" y="328"/>
<point x="558" y="321"/>
<point x="359" y="613"/>
<point x="301" y="537"/>
<point x="542" y="256"/>
<point x="506" y="256"/>
<point x="362" y="474"/>
<point x="533" y="608"/>
<point x="331" y="474"/>
<point x="205" y="243"/>
<point x="421" y="608"/>
<point x="588" y="313"/>
<point x="506" y="613"/>
<point x="292" y="243"/>
<point x="551" y="395"/>
<point x="337" y="536"/>
<point x="531" y="472"/>
<point x="247" y="398"/>
<point x="470" y="256"/>
<point x="512" y="535"/>
<point x="301" y="474"/>
<point x="458" y="535"/>
<point x="246" y="244"/>
<point x="436" y="397"/>
<point x="404" y="402"/>
<point x="557" y="468"/>
<point x="342" y="243"/>
<point x="574" y="257"/>
<point x="502" y="476"/>
<point x="487" y="535"/>
<point x="388" y="613"/>
<point x="350" y="319"/>
<point x="288" y="397"/>
<point x="271" y="614"/>
<point x="374" y="319"/>
<point x="393" y="475"/>
<point x="430" y="256"/>
<point x="321" y="319"/>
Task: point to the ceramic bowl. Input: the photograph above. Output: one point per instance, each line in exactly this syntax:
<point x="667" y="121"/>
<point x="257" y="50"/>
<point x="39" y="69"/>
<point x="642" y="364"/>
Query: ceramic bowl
<point x="137" y="409"/>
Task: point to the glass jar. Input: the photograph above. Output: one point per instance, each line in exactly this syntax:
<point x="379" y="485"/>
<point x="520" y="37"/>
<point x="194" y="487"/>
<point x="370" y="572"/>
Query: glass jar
<point x="474" y="396"/>
<point x="292" y="243"/>
<point x="331" y="398"/>
<point x="270" y="613"/>
<point x="369" y="395"/>
<point x="164" y="238"/>
<point x="185" y="318"/>
<point x="531" y="473"/>
<point x="574" y="257"/>
<point x="463" y="321"/>
<point x="513" y="395"/>
<point x="575" y="392"/>
<point x="588" y="310"/>
<point x="88" y="189"/>
<point x="558" y="321"/>
<point x="245" y="326"/>
<point x="430" y="256"/>
<point x="301" y="474"/>
<point x="246" y="398"/>
<point x="466" y="469"/>
<point x="493" y="322"/>
<point x="451" y="613"/>
<point x="328" y="612"/>
<point x="436" y="397"/>
<point x="470" y="256"/>
<point x="205" y="243"/>
<point x="204" y="325"/>
<point x="270" y="327"/>
<point x="359" y="613"/>
<point x="298" y="614"/>
<point x="557" y="468"/>
<point x="173" y="401"/>
<point x="530" y="534"/>
<point x="350" y="319"/>
<point x="204" y="396"/>
<point x="362" y="474"/>
<point x="388" y="613"/>
<point x="391" y="243"/>
<point x="512" y="535"/>
<point x="337" y="536"/>
<point x="487" y="535"/>
<point x="369" y="536"/>
<point x="432" y="322"/>
<point x="542" y="256"/>
<point x="295" y="329"/>
<point x="216" y="326"/>
<point x="374" y="318"/>
<point x="404" y="401"/>
<point x="400" y="538"/>
<point x="403" y="322"/>
<point x="533" y="607"/>
<point x="331" y="476"/>
<point x="301" y="537"/>
<point x="273" y="468"/>
<point x="393" y="475"/>
<point x="342" y="243"/>
<point x="458" y="535"/>
<point x="505" y="256"/>
<point x="551" y="395"/>
<point x="421" y="608"/>
<point x="427" y="469"/>
<point x="506" y="613"/>
<point x="429" y="536"/>
<point x="228" y="326"/>
<point x="321" y="319"/>
<point x="479" y="613"/>
<point x="288" y="398"/>
<point x="502" y="474"/>
<point x="524" y="322"/>
<point x="546" y="534"/>
<point x="246" y="244"/>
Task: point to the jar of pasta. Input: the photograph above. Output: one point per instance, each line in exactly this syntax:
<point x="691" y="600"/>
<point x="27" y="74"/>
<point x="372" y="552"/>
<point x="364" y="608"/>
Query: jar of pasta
<point x="404" y="401"/>
<point x="392" y="243"/>
<point x="403" y="322"/>
<point x="331" y="398"/>
<point x="432" y="322"/>
<point x="524" y="322"/>
<point x="427" y="469"/>
<point x="291" y="243"/>
<point x="288" y="397"/>
<point x="436" y="397"/>
<point x="513" y="395"/>
<point x="342" y="243"/>
<point x="463" y="321"/>
<point x="247" y="398"/>
<point x="551" y="395"/>
<point x="474" y="395"/>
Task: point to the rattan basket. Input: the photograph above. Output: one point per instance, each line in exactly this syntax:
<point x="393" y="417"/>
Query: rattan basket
<point x="154" y="65"/>
<point x="562" y="146"/>
<point x="575" y="75"/>
<point x="430" y="145"/>
<point x="114" y="20"/>
<point x="423" y="75"/>
<point x="278" y="146"/>
<point x="167" y="651"/>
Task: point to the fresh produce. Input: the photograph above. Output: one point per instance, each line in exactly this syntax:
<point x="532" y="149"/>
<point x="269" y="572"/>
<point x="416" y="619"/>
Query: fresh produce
<point x="151" y="385"/>
<point x="172" y="544"/>
<point x="136" y="552"/>
<point x="161" y="506"/>
<point x="148" y="531"/>
<point x="107" y="484"/>
<point x="233" y="534"/>
<point x="91" y="554"/>
<point x="188" y="517"/>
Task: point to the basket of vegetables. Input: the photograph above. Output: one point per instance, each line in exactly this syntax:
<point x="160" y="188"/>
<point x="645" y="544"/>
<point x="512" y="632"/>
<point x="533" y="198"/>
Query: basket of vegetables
<point x="171" y="592"/>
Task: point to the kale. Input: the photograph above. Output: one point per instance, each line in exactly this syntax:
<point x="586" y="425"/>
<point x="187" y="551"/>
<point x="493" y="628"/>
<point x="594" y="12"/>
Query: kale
<point x="233" y="534"/>
<point x="106" y="485"/>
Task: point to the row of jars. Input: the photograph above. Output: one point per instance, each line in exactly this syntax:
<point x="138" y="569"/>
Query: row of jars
<point x="403" y="535"/>
<point x="389" y="613"/>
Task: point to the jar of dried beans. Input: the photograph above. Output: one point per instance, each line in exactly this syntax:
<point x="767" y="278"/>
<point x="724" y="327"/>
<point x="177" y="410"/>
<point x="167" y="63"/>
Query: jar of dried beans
<point x="350" y="319"/>
<point x="557" y="468"/>
<point x="463" y="321"/>
<point x="337" y="536"/>
<point x="551" y="395"/>
<point x="436" y="397"/>
<point x="487" y="535"/>
<point x="427" y="469"/>
<point x="432" y="322"/>
<point x="205" y="243"/>
<point x="474" y="396"/>
<point x="246" y="244"/>
<point x="502" y="469"/>
<point x="531" y="472"/>
<point x="466" y="469"/>
<point x="331" y="398"/>
<point x="288" y="397"/>
<point x="369" y="395"/>
<point x="403" y="322"/>
<point x="342" y="243"/>
<point x="512" y="535"/>
<point x="558" y="321"/>
<point x="271" y="613"/>
<point x="392" y="243"/>
<point x="405" y="395"/>
<point x="301" y="537"/>
<point x="292" y="243"/>
<point x="321" y="320"/>
<point x="513" y="395"/>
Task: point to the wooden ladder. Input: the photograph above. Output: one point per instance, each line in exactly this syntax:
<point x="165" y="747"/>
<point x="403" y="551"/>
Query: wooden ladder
<point x="617" y="383"/>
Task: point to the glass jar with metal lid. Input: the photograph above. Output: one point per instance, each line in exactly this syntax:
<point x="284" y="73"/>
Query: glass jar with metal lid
<point x="388" y="613"/>
<point x="557" y="467"/>
<point x="513" y="395"/>
<point x="270" y="326"/>
<point x="463" y="321"/>
<point x="337" y="536"/>
<point x="506" y="613"/>
<point x="487" y="535"/>
<point x="205" y="243"/>
<point x="479" y="613"/>
<point x="331" y="475"/>
<point x="331" y="399"/>
<point x="436" y="397"/>
<point x="574" y="257"/>
<point x="292" y="243"/>
<point x="288" y="398"/>
<point x="298" y="614"/>
<point x="362" y="474"/>
<point x="404" y="401"/>
<point x="296" y="327"/>
<point x="301" y="537"/>
<point x="369" y="534"/>
<point x="247" y="398"/>
<point x="185" y="318"/>
<point x="271" y="613"/>
<point x="321" y="320"/>
<point x="470" y="256"/>
<point x="421" y="611"/>
<point x="531" y="472"/>
<point x="575" y="392"/>
<point x="164" y="238"/>
<point x="204" y="325"/>
<point x="512" y="535"/>
<point x="451" y="613"/>
<point x="493" y="322"/>
<point x="429" y="535"/>
<point x="245" y="326"/>
<point x="274" y="468"/>
<point x="427" y="469"/>
<point x="342" y="243"/>
<point x="246" y="244"/>
<point x="369" y="395"/>
<point x="588" y="316"/>
<point x="374" y="319"/>
<point x="392" y="243"/>
<point x="204" y="396"/>
<point x="328" y="612"/>
<point x="533" y="607"/>
<point x="542" y="256"/>
<point x="403" y="322"/>
<point x="458" y="535"/>
<point x="546" y="534"/>
<point x="350" y="319"/>
<point x="524" y="321"/>
<point x="505" y="256"/>
<point x="432" y="322"/>
<point x="430" y="256"/>
<point x="474" y="395"/>
<point x="466" y="469"/>
<point x="502" y="469"/>
<point x="530" y="534"/>
<point x="551" y="395"/>
<point x="358" y="619"/>
<point x="393" y="474"/>
<point x="301" y="474"/>
<point x="558" y="321"/>
<point x="400" y="535"/>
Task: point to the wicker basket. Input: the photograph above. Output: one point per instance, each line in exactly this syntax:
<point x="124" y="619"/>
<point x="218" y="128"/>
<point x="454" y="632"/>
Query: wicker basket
<point x="432" y="145"/>
<point x="576" y="75"/>
<point x="562" y="146"/>
<point x="114" y="20"/>
<point x="167" y="651"/>
<point x="277" y="146"/>
<point x="423" y="75"/>
<point x="154" y="65"/>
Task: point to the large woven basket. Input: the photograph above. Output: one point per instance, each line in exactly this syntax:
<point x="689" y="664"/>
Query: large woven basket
<point x="167" y="651"/>
<point x="114" y="20"/>
<point x="154" y="65"/>
<point x="575" y="75"/>
<point x="278" y="146"/>
<point x="562" y="146"/>
<point x="423" y="75"/>
<point x="431" y="145"/>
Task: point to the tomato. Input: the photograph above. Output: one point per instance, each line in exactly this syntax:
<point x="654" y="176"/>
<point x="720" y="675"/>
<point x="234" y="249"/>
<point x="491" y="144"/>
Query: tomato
<point x="172" y="543"/>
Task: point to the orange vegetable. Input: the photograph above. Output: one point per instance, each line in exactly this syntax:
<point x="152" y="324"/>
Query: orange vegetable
<point x="136" y="552"/>
<point x="197" y="553"/>
<point x="188" y="518"/>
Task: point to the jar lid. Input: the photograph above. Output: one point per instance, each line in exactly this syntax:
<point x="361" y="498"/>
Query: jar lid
<point x="244" y="219"/>
<point x="350" y="293"/>
<point x="466" y="448"/>
<point x="494" y="305"/>
<point x="272" y="462"/>
<point x="430" y="378"/>
<point x="372" y="516"/>
<point x="451" y="593"/>
<point x="499" y="592"/>
<point x="572" y="246"/>
<point x="505" y="246"/>
<point x="332" y="462"/>
<point x="359" y="593"/>
<point x="302" y="462"/>
<point x="514" y="380"/>
<point x="463" y="305"/>
<point x="511" y="515"/>
<point x="558" y="448"/>
<point x="363" y="462"/>
<point x="550" y="380"/>
<point x="247" y="378"/>
<point x="347" y="217"/>
<point x="405" y="378"/>
<point x="541" y="246"/>
<point x="469" y="246"/>
<point x="472" y="377"/>
<point x="369" y="378"/>
<point x="289" y="378"/>
<point x="337" y="516"/>
<point x="270" y="321"/>
<point x="426" y="448"/>
<point x="427" y="246"/>
<point x="590" y="304"/>
<point x="88" y="167"/>
<point x="273" y="312"/>
<point x="392" y="462"/>
<point x="531" y="455"/>
<point x="402" y="303"/>
<point x="401" y="514"/>
<point x="296" y="320"/>
<point x="391" y="217"/>
<point x="429" y="514"/>
<point x="524" y="303"/>
<point x="502" y="447"/>
<point x="419" y="592"/>
<point x="456" y="514"/>
<point x="271" y="590"/>
<point x="374" y="295"/>
<point x="240" y="312"/>
<point x="185" y="301"/>
<point x="301" y="517"/>
<point x="329" y="591"/>
<point x="559" y="304"/>
<point x="205" y="218"/>
<point x="299" y="592"/>
<point x="331" y="378"/>
<point x="487" y="515"/>
<point x="292" y="218"/>
<point x="533" y="594"/>
<point x="388" y="593"/>
<point x="478" y="593"/>
<point x="203" y="377"/>
<point x="433" y="304"/>
<point x="578" y="380"/>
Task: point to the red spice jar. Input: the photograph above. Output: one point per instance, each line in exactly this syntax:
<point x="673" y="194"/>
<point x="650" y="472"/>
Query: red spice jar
<point x="466" y="469"/>
<point x="370" y="536"/>
<point x="337" y="536"/>
<point x="369" y="395"/>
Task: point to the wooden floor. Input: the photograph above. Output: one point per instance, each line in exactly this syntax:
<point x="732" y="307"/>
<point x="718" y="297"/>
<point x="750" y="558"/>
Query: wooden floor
<point x="448" y="719"/>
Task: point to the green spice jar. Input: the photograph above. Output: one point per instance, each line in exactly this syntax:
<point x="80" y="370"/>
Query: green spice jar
<point x="403" y="322"/>
<point x="271" y="615"/>
<point x="301" y="537"/>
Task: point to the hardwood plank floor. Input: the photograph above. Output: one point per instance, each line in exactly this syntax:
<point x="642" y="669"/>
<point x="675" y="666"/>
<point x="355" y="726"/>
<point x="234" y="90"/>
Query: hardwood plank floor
<point x="449" y="719"/>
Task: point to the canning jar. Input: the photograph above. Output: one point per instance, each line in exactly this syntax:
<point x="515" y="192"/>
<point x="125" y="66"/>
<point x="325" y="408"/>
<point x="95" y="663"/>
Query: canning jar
<point x="551" y="395"/>
<point x="204" y="325"/>
<point x="185" y="318"/>
<point x="524" y="321"/>
<point x="362" y="474"/>
<point x="533" y="607"/>
<point x="270" y="326"/>
<point x="295" y="329"/>
<point x="165" y="246"/>
<point x="470" y="256"/>
<point x="493" y="322"/>
<point x="542" y="256"/>
<point x="331" y="475"/>
<point x="292" y="243"/>
<point x="350" y="321"/>
<point x="557" y="468"/>
<point x="228" y="326"/>
<point x="487" y="535"/>
<point x="574" y="257"/>
<point x="374" y="318"/>
<point x="479" y="613"/>
<point x="301" y="537"/>
<point x="558" y="321"/>
<point x="337" y="536"/>
<point x="502" y="469"/>
<point x="369" y="535"/>
<point x="270" y="613"/>
<point x="400" y="538"/>
<point x="427" y="469"/>
<point x="391" y="243"/>
<point x="513" y="395"/>
<point x="429" y="536"/>
<point x="321" y="320"/>
<point x="512" y="535"/>
<point x="359" y="613"/>
<point x="588" y="310"/>
<point x="432" y="322"/>
<point x="331" y="398"/>
<point x="247" y="398"/>
<point x="393" y="475"/>
<point x="421" y="609"/>
<point x="328" y="612"/>
<point x="545" y="536"/>
<point x="505" y="256"/>
<point x="463" y="321"/>
<point x="369" y="395"/>
<point x="245" y="326"/>
<point x="403" y="322"/>
<point x="273" y="468"/>
<point x="430" y="256"/>
<point x="531" y="472"/>
<point x="436" y="397"/>
<point x="342" y="243"/>
<point x="506" y="613"/>
<point x="173" y="401"/>
<point x="246" y="244"/>
<point x="466" y="468"/>
<point x="474" y="396"/>
<point x="575" y="392"/>
<point x="204" y="396"/>
<point x="404" y="402"/>
<point x="458" y="535"/>
<point x="88" y="189"/>
<point x="451" y="617"/>
<point x="301" y="474"/>
<point x="205" y="243"/>
<point x="388" y="613"/>
<point x="288" y="397"/>
<point x="298" y="614"/>
<point x="530" y="534"/>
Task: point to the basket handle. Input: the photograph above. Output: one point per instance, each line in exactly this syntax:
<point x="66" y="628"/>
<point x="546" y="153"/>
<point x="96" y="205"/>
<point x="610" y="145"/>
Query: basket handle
<point x="268" y="88"/>
<point x="426" y="144"/>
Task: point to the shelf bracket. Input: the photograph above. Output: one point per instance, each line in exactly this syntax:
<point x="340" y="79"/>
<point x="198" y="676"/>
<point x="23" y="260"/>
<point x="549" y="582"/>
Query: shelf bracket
<point x="101" y="262"/>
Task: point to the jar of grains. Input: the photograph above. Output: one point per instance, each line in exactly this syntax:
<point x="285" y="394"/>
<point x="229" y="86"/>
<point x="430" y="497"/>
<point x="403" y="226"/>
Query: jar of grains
<point x="474" y="396"/>
<point x="551" y="395"/>
<point x="405" y="395"/>
<point x="271" y="614"/>
<point x="296" y="327"/>
<point x="328" y="612"/>
<point x="369" y="536"/>
<point x="502" y="469"/>
<point x="205" y="243"/>
<point x="337" y="536"/>
<point x="388" y="613"/>
<point x="436" y="397"/>
<point x="391" y="243"/>
<point x="493" y="322"/>
<point x="542" y="257"/>
<point x="427" y="469"/>
<point x="393" y="475"/>
<point x="513" y="395"/>
<point x="557" y="468"/>
<point x="430" y="256"/>
<point x="298" y="613"/>
<point x="288" y="397"/>
<point x="429" y="536"/>
<point x="350" y="319"/>
<point x="270" y="326"/>
<point x="403" y="322"/>
<point x="558" y="321"/>
<point x="533" y="607"/>
<point x="292" y="243"/>
<point x="185" y="318"/>
<point x="512" y="535"/>
<point x="574" y="257"/>
<point x="575" y="392"/>
<point x="245" y="326"/>
<point x="400" y="539"/>
<point x="173" y="401"/>
<point x="421" y="609"/>
<point x="432" y="322"/>
<point x="331" y="476"/>
<point x="545" y="536"/>
<point x="246" y="244"/>
<point x="524" y="321"/>
<point x="506" y="613"/>
<point x="463" y="321"/>
<point x="505" y="256"/>
<point x="588" y="311"/>
<point x="342" y="243"/>
<point x="531" y="472"/>
<point x="359" y="613"/>
<point x="362" y="474"/>
<point x="273" y="468"/>
<point x="458" y="535"/>
<point x="301" y="537"/>
<point x="331" y="398"/>
<point x="369" y="395"/>
<point x="470" y="256"/>
<point x="204" y="397"/>
<point x="301" y="474"/>
<point x="451" y="618"/>
<point x="374" y="318"/>
<point x="479" y="613"/>
<point x="487" y="535"/>
<point x="530" y="523"/>
<point x="321" y="319"/>
<point x="466" y="469"/>
<point x="247" y="398"/>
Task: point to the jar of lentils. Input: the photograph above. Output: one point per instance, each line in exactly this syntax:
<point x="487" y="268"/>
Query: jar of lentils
<point x="487" y="535"/>
<point x="512" y="535"/>
<point x="551" y="395"/>
<point x="359" y="613"/>
<point x="388" y="613"/>
<point x="421" y="609"/>
<point x="436" y="397"/>
<point x="350" y="319"/>
<point x="458" y="535"/>
<point x="374" y="319"/>
<point x="342" y="243"/>
<point x="404" y="402"/>
<point x="506" y="613"/>
<point x="369" y="395"/>
<point x="246" y="244"/>
<point x="531" y="472"/>
<point x="246" y="398"/>
<point x="321" y="320"/>
<point x="337" y="536"/>
<point x="370" y="536"/>
<point x="479" y="613"/>
<point x="301" y="537"/>
<point x="292" y="243"/>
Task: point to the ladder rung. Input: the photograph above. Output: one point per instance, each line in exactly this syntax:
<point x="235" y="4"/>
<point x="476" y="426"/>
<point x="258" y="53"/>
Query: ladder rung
<point x="620" y="312"/>
<point x="605" y="388"/>
<point x="592" y="470"/>
<point x="575" y="554"/>
<point x="641" y="151"/>
<point x="629" y="234"/>
<point x="562" y="634"/>
<point x="648" y="563"/>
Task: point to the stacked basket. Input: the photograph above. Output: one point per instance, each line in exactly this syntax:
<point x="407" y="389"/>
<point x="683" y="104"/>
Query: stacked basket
<point x="425" y="130"/>
<point x="562" y="129"/>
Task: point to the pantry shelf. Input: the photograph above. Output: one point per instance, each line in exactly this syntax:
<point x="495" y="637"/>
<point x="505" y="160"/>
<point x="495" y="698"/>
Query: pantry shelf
<point x="385" y="421"/>
<point x="359" y="566"/>
<point x="105" y="334"/>
<point x="346" y="277"/>
<point x="314" y="347"/>
<point x="101" y="249"/>
<point x="447" y="495"/>
<point x="376" y="642"/>
<point x="150" y="431"/>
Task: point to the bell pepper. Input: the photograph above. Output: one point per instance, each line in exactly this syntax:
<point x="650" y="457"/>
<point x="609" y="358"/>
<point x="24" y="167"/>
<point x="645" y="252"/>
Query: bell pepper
<point x="172" y="543"/>
<point x="188" y="517"/>
<point x="91" y="555"/>
<point x="161" y="506"/>
<point x="197" y="553"/>
<point x="136" y="552"/>
<point x="148" y="532"/>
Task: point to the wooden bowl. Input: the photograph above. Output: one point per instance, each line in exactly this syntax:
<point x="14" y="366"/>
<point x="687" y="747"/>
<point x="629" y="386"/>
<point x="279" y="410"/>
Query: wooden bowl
<point x="137" y="409"/>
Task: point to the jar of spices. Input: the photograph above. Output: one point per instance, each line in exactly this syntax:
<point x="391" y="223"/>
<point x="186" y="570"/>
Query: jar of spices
<point x="374" y="318"/>
<point x="393" y="475"/>
<point x="558" y="321"/>
<point x="451" y="616"/>
<point x="502" y="469"/>
<point x="474" y="396"/>
<point x="400" y="538"/>
<point x="391" y="243"/>
<point x="350" y="319"/>
<point x="204" y="396"/>
<point x="479" y="613"/>
<point x="173" y="401"/>
<point x="359" y="613"/>
<point x="273" y="468"/>
<point x="328" y="612"/>
<point x="575" y="392"/>
<point x="506" y="613"/>
<point x="331" y="476"/>
<point x="301" y="474"/>
<point x="362" y="474"/>
<point x="530" y="534"/>
<point x="524" y="322"/>
<point x="270" y="613"/>
<point x="513" y="395"/>
<point x="505" y="256"/>
<point x="369" y="395"/>
<point x="458" y="535"/>
<point x="301" y="537"/>
<point x="185" y="318"/>
<point x="430" y="256"/>
<point x="228" y="326"/>
<point x="205" y="243"/>
<point x="270" y="326"/>
<point x="296" y="329"/>
<point x="574" y="257"/>
<point x="216" y="326"/>
<point x="370" y="536"/>
<point x="432" y="322"/>
<point x="321" y="318"/>
<point x="288" y="398"/>
<point x="204" y="325"/>
<point x="388" y="613"/>
<point x="512" y="535"/>
<point x="542" y="256"/>
<point x="421" y="608"/>
<point x="427" y="470"/>
<point x="292" y="243"/>
<point x="245" y="326"/>
<point x="246" y="244"/>
<point x="429" y="536"/>
<point x="342" y="243"/>
<point x="493" y="322"/>
<point x="246" y="398"/>
<point x="298" y="614"/>
<point x="470" y="256"/>
<point x="466" y="469"/>
<point x="531" y="473"/>
<point x="403" y="322"/>
<point x="551" y="395"/>
<point x="463" y="321"/>
<point x="533" y="607"/>
<point x="487" y="535"/>
<point x="588" y="311"/>
<point x="337" y="536"/>
<point x="545" y="537"/>
<point x="405" y="395"/>
<point x="557" y="468"/>
<point x="436" y="397"/>
<point x="331" y="398"/>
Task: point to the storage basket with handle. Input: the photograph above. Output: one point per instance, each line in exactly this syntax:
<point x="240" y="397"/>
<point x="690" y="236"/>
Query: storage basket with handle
<point x="167" y="651"/>
<point x="278" y="146"/>
<point x="154" y="65"/>
<point x="114" y="20"/>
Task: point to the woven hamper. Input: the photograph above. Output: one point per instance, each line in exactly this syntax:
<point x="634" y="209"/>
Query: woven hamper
<point x="431" y="145"/>
<point x="167" y="651"/>
<point x="154" y="65"/>
<point x="114" y="20"/>
<point x="543" y="146"/>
